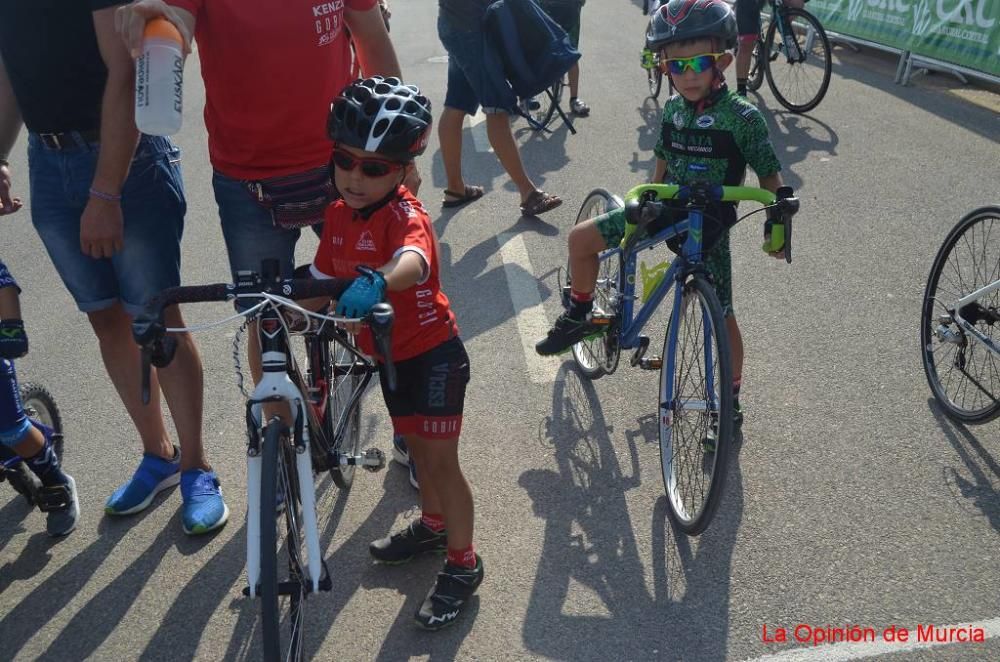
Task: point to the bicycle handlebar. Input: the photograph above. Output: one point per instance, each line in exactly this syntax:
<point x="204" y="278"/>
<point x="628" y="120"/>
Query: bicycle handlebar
<point x="643" y="204"/>
<point x="150" y="333"/>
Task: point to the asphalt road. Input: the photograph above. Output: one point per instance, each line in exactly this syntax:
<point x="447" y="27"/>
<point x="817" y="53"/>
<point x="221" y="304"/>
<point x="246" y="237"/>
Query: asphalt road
<point x="852" y="500"/>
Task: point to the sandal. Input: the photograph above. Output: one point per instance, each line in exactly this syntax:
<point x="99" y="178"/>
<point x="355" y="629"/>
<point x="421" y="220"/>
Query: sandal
<point x="578" y="107"/>
<point x="471" y="193"/>
<point x="540" y="202"/>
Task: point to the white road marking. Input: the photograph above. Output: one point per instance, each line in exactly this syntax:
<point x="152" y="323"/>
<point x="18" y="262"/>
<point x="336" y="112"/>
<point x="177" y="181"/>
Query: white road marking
<point x="532" y="322"/>
<point x="858" y="651"/>
<point x="477" y="127"/>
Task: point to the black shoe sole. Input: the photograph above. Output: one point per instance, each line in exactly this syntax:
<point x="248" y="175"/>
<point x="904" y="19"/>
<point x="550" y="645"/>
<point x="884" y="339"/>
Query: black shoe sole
<point x="408" y="558"/>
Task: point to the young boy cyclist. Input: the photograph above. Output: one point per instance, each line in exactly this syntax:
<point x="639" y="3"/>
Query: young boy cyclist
<point x="708" y="134"/>
<point x="29" y="439"/>
<point x="378" y="126"/>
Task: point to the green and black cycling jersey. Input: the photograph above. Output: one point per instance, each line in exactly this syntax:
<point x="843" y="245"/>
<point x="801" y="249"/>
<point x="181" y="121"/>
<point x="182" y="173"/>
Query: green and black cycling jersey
<point x="714" y="140"/>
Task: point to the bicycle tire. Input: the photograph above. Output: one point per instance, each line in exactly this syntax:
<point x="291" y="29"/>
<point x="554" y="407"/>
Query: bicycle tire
<point x="655" y="82"/>
<point x="755" y="77"/>
<point x="693" y="515"/>
<point x="39" y="404"/>
<point x="599" y="356"/>
<point x="345" y="379"/>
<point x="936" y="322"/>
<point x="798" y="18"/>
<point x="279" y="476"/>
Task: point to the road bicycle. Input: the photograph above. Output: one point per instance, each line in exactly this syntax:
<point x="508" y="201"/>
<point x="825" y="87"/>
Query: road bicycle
<point x="695" y="399"/>
<point x="958" y="324"/>
<point x="793" y="53"/>
<point x="41" y="407"/>
<point x="284" y="455"/>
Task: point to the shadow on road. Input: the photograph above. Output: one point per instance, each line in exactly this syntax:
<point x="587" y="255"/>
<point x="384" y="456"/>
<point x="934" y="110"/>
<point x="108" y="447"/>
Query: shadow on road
<point x="590" y="597"/>
<point x="974" y="482"/>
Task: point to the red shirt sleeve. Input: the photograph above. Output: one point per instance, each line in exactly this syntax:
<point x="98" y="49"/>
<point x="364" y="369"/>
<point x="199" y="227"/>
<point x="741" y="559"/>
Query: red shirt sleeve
<point x="322" y="266"/>
<point x="414" y="233"/>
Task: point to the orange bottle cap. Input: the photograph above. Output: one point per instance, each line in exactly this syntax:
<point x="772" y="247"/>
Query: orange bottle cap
<point x="162" y="28"/>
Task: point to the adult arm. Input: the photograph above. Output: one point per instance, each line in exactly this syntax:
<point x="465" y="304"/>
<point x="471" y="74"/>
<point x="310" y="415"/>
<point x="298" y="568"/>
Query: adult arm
<point x="371" y="39"/>
<point x="10" y="126"/>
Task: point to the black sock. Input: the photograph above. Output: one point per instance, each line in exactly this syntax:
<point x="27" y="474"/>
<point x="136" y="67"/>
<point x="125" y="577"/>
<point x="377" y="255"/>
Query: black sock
<point x="579" y="310"/>
<point x="741" y="86"/>
<point x="45" y="465"/>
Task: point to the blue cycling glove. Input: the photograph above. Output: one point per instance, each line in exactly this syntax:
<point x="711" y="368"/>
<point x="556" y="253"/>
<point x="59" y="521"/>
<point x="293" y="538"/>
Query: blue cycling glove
<point x="367" y="290"/>
<point x="13" y="339"/>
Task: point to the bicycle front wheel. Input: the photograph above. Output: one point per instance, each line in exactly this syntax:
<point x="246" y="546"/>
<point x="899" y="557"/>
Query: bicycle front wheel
<point x="280" y="492"/>
<point x="695" y="407"/>
<point x="756" y="74"/>
<point x="598" y="356"/>
<point x="962" y="371"/>
<point x="346" y="381"/>
<point x="655" y="81"/>
<point x="797" y="64"/>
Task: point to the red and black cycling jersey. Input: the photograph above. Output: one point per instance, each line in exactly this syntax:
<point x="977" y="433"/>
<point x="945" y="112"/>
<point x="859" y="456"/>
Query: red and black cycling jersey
<point x="424" y="318"/>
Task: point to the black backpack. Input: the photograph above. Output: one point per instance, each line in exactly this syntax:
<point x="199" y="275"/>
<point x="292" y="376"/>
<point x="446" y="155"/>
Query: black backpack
<point x="534" y="51"/>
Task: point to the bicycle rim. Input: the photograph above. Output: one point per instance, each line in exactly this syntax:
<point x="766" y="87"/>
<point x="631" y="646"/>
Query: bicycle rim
<point x="279" y="484"/>
<point x="962" y="373"/>
<point x="345" y="382"/>
<point x="799" y="81"/>
<point x="700" y="412"/>
<point x="655" y="81"/>
<point x="755" y="77"/>
<point x="599" y="356"/>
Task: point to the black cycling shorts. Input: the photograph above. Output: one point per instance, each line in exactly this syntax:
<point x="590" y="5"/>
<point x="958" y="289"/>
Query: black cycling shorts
<point x="430" y="392"/>
<point x="748" y="17"/>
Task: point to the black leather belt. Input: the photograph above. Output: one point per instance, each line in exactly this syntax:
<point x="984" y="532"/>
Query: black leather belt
<point x="69" y="139"/>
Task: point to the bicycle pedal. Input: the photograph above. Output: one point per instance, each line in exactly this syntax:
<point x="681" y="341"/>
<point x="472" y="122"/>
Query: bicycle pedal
<point x="601" y="320"/>
<point x="640" y="351"/>
<point x="651" y="363"/>
<point x="373" y="460"/>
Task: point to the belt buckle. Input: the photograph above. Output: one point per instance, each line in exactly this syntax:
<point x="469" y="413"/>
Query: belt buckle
<point x="51" y="140"/>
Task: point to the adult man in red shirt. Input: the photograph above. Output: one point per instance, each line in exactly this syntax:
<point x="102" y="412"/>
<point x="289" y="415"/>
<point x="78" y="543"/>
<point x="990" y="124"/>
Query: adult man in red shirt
<point x="271" y="70"/>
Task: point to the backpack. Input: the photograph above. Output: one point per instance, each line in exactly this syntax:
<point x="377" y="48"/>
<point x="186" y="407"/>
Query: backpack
<point x="533" y="50"/>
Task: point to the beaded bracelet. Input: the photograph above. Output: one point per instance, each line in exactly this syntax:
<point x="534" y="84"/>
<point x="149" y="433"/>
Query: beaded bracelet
<point x="101" y="195"/>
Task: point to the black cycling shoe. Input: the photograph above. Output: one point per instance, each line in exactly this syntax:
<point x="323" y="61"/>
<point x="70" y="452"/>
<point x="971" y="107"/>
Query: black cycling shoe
<point x="455" y="585"/>
<point x="412" y="541"/>
<point x="567" y="332"/>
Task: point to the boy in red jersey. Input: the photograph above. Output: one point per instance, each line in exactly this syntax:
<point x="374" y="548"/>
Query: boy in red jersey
<point x="378" y="125"/>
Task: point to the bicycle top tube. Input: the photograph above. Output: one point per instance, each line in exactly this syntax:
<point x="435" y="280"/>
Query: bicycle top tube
<point x="716" y="193"/>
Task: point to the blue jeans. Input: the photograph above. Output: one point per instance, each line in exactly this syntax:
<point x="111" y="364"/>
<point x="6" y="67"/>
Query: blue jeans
<point x="14" y="423"/>
<point x="153" y="207"/>
<point x="475" y="74"/>
<point x="250" y="233"/>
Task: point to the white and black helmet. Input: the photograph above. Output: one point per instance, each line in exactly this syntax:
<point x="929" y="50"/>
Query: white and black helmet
<point x="381" y="115"/>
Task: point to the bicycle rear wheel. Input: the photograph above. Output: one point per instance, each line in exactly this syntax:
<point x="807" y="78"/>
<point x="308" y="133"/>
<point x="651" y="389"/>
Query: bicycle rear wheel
<point x="39" y="404"/>
<point x="599" y="356"/>
<point x="696" y="419"/>
<point x="280" y="485"/>
<point x="798" y="67"/>
<point x="963" y="374"/>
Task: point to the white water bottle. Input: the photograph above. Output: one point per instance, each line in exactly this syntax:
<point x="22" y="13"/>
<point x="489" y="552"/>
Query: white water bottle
<point x="159" y="79"/>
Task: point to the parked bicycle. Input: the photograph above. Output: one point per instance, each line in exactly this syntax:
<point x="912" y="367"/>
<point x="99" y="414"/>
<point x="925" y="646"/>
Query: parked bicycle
<point x="793" y="53"/>
<point x="283" y="455"/>
<point x="959" y="319"/>
<point x="695" y="402"/>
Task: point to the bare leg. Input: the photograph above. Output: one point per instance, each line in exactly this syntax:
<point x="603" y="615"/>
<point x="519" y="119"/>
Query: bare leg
<point x="585" y="242"/>
<point x="502" y="141"/>
<point x="735" y="346"/>
<point x="113" y="328"/>
<point x="183" y="387"/>
<point x="443" y="488"/>
<point x="574" y="80"/>
<point x="450" y="136"/>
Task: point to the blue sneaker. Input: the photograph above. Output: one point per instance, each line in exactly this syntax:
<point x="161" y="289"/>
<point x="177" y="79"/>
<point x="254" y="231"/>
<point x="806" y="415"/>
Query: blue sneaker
<point x="152" y="477"/>
<point x="413" y="475"/>
<point x="203" y="509"/>
<point x="399" y="452"/>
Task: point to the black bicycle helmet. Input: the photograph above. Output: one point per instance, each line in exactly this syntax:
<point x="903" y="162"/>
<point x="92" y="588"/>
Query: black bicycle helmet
<point x="683" y="20"/>
<point x="381" y="115"/>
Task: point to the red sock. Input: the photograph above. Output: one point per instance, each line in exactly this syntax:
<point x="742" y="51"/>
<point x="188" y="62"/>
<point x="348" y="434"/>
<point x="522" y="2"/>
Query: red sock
<point x="464" y="558"/>
<point x="580" y="297"/>
<point x="433" y="522"/>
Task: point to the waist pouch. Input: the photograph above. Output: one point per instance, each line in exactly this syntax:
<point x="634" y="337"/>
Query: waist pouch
<point x="295" y="200"/>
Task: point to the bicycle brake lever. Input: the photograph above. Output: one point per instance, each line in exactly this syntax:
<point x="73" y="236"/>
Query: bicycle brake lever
<point x="380" y="319"/>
